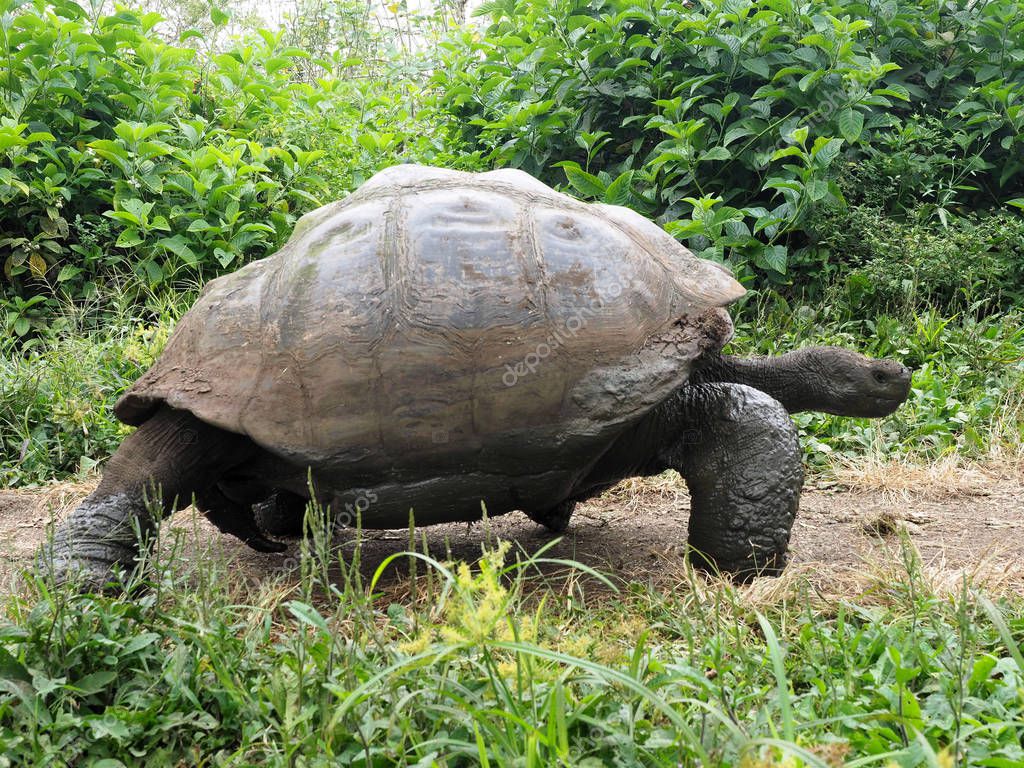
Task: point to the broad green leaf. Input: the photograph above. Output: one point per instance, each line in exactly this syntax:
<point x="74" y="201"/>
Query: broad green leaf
<point x="114" y="152"/>
<point x="816" y="189"/>
<point x="716" y="153"/>
<point x="129" y="131"/>
<point x="773" y="257"/>
<point x="810" y="79"/>
<point x="128" y="238"/>
<point x="179" y="247"/>
<point x="10" y="667"/>
<point x="896" y="91"/>
<point x="825" y="150"/>
<point x="68" y="272"/>
<point x="224" y="258"/>
<point x="983" y="667"/>
<point x="734" y="133"/>
<point x="94" y="683"/>
<point x="851" y="124"/>
<point x="818" y="40"/>
<point x="758" y="66"/>
<point x="125" y="216"/>
<point x="618" y="191"/>
<point x="585" y="183"/>
<point x="786" y="152"/>
<point x="780" y="183"/>
<point x="151" y="271"/>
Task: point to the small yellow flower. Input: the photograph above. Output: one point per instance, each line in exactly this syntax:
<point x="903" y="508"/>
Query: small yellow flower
<point x="418" y="644"/>
<point x="478" y="609"/>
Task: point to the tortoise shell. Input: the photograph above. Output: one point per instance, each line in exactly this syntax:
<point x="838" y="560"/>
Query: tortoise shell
<point x="436" y="322"/>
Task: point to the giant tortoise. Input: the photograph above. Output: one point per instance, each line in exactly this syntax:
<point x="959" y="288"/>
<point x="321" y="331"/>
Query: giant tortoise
<point x="448" y="342"/>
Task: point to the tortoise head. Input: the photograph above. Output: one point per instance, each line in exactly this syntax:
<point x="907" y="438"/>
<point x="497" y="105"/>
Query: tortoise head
<point x="851" y="384"/>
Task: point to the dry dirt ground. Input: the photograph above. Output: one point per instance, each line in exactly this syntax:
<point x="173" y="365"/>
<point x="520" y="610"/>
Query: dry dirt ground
<point x="961" y="520"/>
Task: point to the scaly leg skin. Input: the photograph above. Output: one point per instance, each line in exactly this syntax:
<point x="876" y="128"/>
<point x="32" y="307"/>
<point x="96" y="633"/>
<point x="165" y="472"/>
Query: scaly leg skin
<point x="741" y="459"/>
<point x="156" y="470"/>
<point x="555" y="519"/>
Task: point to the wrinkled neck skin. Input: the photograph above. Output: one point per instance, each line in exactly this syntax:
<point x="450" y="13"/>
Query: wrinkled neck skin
<point x="794" y="379"/>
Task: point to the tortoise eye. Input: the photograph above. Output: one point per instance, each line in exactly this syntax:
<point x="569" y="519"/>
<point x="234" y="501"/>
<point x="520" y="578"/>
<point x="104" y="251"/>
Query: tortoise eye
<point x="879" y="377"/>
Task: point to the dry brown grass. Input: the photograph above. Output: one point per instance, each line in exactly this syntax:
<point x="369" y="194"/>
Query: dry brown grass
<point x="641" y="492"/>
<point x="950" y="476"/>
<point x="61" y="497"/>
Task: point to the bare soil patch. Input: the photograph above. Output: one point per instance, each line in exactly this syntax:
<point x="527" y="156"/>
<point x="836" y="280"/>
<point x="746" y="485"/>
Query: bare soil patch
<point x="963" y="521"/>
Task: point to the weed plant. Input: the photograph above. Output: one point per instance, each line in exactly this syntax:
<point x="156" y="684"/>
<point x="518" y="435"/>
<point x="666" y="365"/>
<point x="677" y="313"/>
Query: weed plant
<point x="462" y="664"/>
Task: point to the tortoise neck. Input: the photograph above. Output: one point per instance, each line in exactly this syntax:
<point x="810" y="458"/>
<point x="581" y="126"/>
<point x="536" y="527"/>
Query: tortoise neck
<point x="792" y="378"/>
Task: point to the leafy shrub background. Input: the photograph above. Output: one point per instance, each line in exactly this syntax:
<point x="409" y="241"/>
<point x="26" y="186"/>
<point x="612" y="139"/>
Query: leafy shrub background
<point x="972" y="264"/>
<point x="131" y="163"/>
<point x="735" y="121"/>
<point x="123" y="156"/>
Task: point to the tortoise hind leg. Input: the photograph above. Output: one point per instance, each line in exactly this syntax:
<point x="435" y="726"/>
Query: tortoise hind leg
<point x="556" y="518"/>
<point x="156" y="470"/>
<point x="281" y="514"/>
<point x="235" y="518"/>
<point x="739" y="454"/>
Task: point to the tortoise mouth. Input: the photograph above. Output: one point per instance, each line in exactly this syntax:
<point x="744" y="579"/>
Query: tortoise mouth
<point x="874" y="407"/>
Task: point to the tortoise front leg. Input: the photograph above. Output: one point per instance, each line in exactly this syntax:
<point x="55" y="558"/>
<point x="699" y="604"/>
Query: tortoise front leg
<point x="156" y="470"/>
<point x="738" y="452"/>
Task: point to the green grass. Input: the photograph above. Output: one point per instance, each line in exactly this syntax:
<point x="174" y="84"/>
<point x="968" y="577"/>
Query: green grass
<point x="489" y="665"/>
<point x="57" y="396"/>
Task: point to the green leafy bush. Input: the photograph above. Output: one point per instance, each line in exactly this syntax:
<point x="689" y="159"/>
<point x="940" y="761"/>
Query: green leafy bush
<point x="962" y="66"/>
<point x="122" y="154"/>
<point x="57" y="392"/>
<point x="119" y="153"/>
<point x="917" y="170"/>
<point x="975" y="263"/>
<point x="727" y="118"/>
<point x="373" y="68"/>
